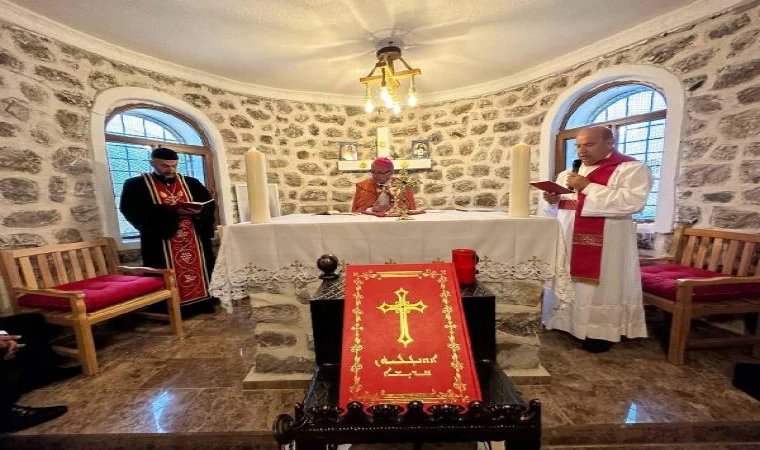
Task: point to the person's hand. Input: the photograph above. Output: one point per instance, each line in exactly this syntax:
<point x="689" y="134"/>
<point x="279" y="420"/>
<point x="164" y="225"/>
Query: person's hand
<point x="551" y="198"/>
<point x="577" y="182"/>
<point x="10" y="344"/>
<point x="379" y="207"/>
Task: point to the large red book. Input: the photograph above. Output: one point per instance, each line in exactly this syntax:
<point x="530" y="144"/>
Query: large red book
<point x="405" y="337"/>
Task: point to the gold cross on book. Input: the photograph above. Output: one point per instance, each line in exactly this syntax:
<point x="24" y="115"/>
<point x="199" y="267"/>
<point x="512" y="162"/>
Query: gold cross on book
<point x="403" y="308"/>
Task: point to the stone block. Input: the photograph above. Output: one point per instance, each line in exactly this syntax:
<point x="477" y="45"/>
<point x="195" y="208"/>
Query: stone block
<point x="749" y="95"/>
<point x="238" y="121"/>
<point x="71" y="124"/>
<point x="72" y="160"/>
<point x="268" y="363"/>
<point x="69" y="235"/>
<point x="514" y="292"/>
<point x="16" y="108"/>
<point x="101" y="81"/>
<point x="34" y="92"/>
<point x="85" y="213"/>
<point x="749" y="172"/>
<point x="486" y="200"/>
<point x="729" y="27"/>
<point x="736" y="74"/>
<point x="20" y="240"/>
<point x="704" y="174"/>
<point x="59" y="77"/>
<point x="32" y="219"/>
<point x="724" y="217"/>
<point x="697" y="148"/>
<point x="8" y="130"/>
<point x="19" y="190"/>
<point x="9" y="61"/>
<point x="664" y="52"/>
<point x="275" y="339"/>
<point x="285" y="314"/>
<point x="515" y="352"/>
<point x="719" y="197"/>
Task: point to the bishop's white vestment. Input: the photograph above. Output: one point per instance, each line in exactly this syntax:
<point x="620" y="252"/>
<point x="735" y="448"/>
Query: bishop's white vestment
<point x="614" y="307"/>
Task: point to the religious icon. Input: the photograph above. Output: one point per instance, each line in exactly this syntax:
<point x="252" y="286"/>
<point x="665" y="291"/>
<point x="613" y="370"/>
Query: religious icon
<point x="420" y="149"/>
<point x="348" y="151"/>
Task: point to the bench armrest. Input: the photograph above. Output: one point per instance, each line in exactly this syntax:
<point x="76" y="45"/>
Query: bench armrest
<point x="656" y="259"/>
<point x="141" y="270"/>
<point x="75" y="298"/>
<point x="49" y="292"/>
<point x="716" y="281"/>
<point x="168" y="274"/>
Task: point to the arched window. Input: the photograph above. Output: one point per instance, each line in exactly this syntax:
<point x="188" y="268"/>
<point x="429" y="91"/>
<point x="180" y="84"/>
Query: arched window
<point x="133" y="132"/>
<point x="636" y="113"/>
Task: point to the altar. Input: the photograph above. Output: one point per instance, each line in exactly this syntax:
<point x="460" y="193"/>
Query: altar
<point x="273" y="266"/>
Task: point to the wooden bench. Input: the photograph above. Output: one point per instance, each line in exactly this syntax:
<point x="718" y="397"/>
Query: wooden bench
<point x="707" y="272"/>
<point x="81" y="284"/>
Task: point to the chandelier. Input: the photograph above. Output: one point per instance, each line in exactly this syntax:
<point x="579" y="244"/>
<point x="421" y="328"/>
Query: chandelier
<point x="388" y="79"/>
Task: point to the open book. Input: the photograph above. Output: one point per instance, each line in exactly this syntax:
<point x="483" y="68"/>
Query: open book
<point x="550" y="186"/>
<point x="194" y="205"/>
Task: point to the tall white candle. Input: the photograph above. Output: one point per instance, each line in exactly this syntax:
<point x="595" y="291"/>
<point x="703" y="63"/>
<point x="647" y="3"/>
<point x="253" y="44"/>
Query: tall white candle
<point x="519" y="178"/>
<point x="256" y="174"/>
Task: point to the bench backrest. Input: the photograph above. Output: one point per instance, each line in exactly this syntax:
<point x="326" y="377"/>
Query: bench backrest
<point x="728" y="252"/>
<point x="52" y="265"/>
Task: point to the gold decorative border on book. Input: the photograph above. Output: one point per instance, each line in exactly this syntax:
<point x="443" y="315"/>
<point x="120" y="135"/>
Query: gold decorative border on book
<point x="594" y="240"/>
<point x="458" y="394"/>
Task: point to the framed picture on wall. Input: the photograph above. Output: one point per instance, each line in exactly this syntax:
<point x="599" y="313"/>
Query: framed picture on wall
<point x="420" y="149"/>
<point x="348" y="151"/>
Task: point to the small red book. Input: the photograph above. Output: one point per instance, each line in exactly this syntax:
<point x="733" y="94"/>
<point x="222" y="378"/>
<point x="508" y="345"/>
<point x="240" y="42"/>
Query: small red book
<point x="405" y="337"/>
<point x="550" y="186"/>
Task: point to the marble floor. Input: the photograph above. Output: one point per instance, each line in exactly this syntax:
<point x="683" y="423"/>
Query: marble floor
<point x="151" y="382"/>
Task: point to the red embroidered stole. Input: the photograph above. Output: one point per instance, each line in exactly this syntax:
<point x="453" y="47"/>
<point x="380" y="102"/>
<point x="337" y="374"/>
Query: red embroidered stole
<point x="588" y="232"/>
<point x="182" y="252"/>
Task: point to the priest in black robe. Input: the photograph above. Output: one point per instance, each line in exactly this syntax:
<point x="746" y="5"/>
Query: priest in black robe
<point x="175" y="229"/>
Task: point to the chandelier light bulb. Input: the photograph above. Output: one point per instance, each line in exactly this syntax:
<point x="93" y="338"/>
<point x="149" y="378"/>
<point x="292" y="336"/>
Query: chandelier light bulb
<point x="385" y="94"/>
<point x="411" y="99"/>
<point x="396" y="108"/>
<point x="369" y="106"/>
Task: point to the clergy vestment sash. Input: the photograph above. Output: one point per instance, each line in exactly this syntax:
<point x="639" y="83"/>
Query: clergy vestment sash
<point x="588" y="232"/>
<point x="182" y="252"/>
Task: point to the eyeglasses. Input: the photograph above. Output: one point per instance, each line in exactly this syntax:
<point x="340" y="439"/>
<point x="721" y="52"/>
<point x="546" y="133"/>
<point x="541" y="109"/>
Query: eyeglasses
<point x="380" y="173"/>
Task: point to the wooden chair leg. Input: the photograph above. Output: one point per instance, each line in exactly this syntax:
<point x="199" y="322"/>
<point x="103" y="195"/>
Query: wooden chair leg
<point x="756" y="347"/>
<point x="86" y="347"/>
<point x="175" y="316"/>
<point x="679" y="333"/>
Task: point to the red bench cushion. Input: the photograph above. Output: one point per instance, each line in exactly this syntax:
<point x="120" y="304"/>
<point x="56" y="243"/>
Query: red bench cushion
<point x="99" y="292"/>
<point x="661" y="281"/>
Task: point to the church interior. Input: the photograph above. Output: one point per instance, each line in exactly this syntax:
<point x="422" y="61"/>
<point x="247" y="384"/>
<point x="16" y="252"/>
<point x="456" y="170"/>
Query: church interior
<point x="278" y="109"/>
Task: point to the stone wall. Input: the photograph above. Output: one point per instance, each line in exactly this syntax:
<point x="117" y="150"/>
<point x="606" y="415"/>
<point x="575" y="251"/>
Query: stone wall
<point x="46" y="181"/>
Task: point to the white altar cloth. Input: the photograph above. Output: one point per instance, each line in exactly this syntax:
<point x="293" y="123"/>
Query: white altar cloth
<point x="287" y="248"/>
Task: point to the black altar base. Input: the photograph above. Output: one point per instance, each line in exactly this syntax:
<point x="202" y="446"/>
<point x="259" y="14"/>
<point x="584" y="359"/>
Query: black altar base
<point x="501" y="416"/>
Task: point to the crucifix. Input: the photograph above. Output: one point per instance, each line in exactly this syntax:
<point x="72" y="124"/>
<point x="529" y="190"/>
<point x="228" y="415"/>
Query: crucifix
<point x="401" y="184"/>
<point x="402" y="307"/>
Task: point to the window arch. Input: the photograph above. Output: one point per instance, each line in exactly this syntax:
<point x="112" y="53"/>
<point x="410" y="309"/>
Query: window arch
<point x="133" y="131"/>
<point x="636" y="112"/>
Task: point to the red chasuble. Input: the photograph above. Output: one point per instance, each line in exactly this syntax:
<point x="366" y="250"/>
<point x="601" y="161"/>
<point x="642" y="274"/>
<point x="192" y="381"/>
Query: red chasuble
<point x="588" y="232"/>
<point x="405" y="337"/>
<point x="182" y="251"/>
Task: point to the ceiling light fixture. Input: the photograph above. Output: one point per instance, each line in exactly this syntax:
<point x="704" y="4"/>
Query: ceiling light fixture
<point x="388" y="79"/>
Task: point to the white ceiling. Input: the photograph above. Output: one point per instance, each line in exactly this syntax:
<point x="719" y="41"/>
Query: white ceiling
<point x="324" y="46"/>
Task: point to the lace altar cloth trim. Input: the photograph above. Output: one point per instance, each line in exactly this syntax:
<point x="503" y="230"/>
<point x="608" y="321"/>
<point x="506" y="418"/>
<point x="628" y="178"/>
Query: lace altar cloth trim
<point x="228" y="285"/>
